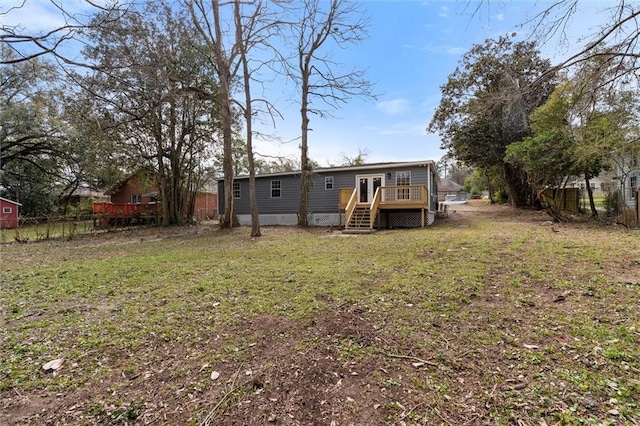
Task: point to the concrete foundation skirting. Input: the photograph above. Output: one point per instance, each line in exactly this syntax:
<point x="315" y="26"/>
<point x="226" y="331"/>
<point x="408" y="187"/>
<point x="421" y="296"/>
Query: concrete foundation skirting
<point x="315" y="219"/>
<point x="325" y="219"/>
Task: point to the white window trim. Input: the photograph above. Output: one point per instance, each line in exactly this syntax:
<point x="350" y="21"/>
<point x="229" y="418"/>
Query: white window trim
<point x="7" y="210"/>
<point x="233" y="190"/>
<point x="329" y="179"/>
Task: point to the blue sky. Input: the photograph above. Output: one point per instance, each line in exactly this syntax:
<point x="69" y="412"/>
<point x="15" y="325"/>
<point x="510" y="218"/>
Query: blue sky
<point x="412" y="47"/>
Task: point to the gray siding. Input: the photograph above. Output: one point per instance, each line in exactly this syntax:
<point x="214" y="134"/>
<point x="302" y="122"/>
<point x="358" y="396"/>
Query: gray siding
<point x="288" y="202"/>
<point x="320" y="199"/>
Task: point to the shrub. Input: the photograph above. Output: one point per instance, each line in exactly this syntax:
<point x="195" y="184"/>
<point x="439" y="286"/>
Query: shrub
<point x="611" y="203"/>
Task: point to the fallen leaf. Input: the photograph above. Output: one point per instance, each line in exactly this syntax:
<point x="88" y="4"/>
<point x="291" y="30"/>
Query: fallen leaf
<point x="54" y="365"/>
<point x="531" y="346"/>
<point x="214" y="375"/>
<point x="417" y="364"/>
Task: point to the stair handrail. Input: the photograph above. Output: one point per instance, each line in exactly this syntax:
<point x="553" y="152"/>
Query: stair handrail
<point x="351" y="207"/>
<point x="375" y="204"/>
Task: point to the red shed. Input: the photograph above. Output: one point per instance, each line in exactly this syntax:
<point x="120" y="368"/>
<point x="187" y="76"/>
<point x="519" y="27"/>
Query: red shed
<point x="8" y="213"/>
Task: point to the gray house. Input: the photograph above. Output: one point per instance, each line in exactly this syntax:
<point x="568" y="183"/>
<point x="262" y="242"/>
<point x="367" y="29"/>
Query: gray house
<point x="356" y="197"/>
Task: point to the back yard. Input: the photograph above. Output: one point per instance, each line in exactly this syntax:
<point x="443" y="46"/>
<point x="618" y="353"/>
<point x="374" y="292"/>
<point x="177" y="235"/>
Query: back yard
<point x="489" y="317"/>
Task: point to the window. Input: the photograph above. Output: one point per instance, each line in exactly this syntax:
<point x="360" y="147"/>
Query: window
<point x="276" y="188"/>
<point x="6" y="210"/>
<point x="135" y="199"/>
<point x="633" y="185"/>
<point x="403" y="179"/>
<point x="236" y="190"/>
<point x="328" y="183"/>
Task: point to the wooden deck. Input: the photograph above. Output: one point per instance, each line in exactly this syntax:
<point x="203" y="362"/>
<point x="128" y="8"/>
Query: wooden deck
<point x="363" y="216"/>
<point x="110" y="214"/>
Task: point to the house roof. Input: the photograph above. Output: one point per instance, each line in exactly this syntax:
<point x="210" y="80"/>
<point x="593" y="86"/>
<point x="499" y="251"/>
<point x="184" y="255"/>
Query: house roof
<point x="86" y="192"/>
<point x="363" y="167"/>
<point x="115" y="188"/>
<point x="10" y="201"/>
<point x="448" y="185"/>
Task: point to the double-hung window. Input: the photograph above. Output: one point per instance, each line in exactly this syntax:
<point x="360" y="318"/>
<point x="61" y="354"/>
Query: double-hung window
<point x="328" y="183"/>
<point x="276" y="188"/>
<point x="236" y="190"/>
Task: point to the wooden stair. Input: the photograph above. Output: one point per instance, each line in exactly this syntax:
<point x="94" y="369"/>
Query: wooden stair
<point x="360" y="222"/>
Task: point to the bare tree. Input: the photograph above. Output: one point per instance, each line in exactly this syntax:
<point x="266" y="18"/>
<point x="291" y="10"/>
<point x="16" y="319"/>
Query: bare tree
<point x="253" y="29"/>
<point x="229" y="43"/>
<point x="618" y="38"/>
<point x="357" y="160"/>
<point x="209" y="22"/>
<point x="28" y="45"/>
<point x="336" y="23"/>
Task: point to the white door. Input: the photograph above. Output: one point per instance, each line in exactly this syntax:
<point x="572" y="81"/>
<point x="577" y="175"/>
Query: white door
<point x="367" y="186"/>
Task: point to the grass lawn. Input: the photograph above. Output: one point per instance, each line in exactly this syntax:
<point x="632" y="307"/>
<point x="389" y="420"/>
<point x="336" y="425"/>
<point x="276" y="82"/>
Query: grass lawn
<point x="489" y="317"/>
<point x="45" y="231"/>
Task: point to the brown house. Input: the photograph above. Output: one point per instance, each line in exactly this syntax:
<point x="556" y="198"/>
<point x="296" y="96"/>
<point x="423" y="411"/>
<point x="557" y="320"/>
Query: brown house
<point x="137" y="188"/>
<point x="141" y="188"/>
<point x="206" y="205"/>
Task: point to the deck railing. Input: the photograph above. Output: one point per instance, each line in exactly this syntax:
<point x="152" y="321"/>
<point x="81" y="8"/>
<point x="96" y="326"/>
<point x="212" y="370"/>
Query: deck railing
<point x="375" y="204"/>
<point x="124" y="208"/>
<point x="407" y="194"/>
<point x="351" y="205"/>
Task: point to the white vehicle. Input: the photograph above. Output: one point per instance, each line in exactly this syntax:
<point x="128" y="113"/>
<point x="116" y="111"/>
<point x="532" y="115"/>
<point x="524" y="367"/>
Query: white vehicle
<point x="453" y="200"/>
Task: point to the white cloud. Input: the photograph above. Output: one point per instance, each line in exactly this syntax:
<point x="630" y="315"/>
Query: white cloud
<point x="456" y="51"/>
<point x="444" y="12"/>
<point x="40" y="16"/>
<point x="403" y="128"/>
<point x="444" y="49"/>
<point x="500" y="16"/>
<point x="394" y="106"/>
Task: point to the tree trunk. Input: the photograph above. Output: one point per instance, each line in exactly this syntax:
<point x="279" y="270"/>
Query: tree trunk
<point x="516" y="187"/>
<point x="592" y="204"/>
<point x="164" y="198"/>
<point x="511" y="186"/>
<point x="551" y="203"/>
<point x="162" y="175"/>
<point x="248" y="116"/>
<point x="303" y="211"/>
<point x="224" y="77"/>
<point x="227" y="163"/>
<point x="491" y="189"/>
